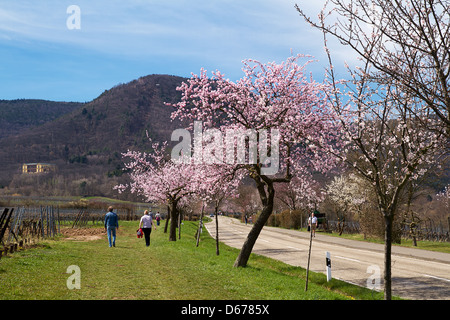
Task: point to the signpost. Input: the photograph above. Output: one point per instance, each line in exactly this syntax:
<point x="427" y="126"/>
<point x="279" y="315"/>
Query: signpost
<point x="328" y="262"/>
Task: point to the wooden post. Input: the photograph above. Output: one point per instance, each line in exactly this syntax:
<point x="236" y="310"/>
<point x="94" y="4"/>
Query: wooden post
<point x="42" y="222"/>
<point x="200" y="225"/>
<point x="179" y="225"/>
<point x="6" y="223"/>
<point x="309" y="255"/>
<point x="217" y="226"/>
<point x="59" y="230"/>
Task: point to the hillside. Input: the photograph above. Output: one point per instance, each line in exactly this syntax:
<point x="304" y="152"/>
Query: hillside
<point x="19" y="115"/>
<point x="85" y="141"/>
<point x="86" y="144"/>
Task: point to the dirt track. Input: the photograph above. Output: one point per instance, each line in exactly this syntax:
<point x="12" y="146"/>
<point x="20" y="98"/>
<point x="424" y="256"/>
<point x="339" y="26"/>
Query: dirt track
<point x="83" y="234"/>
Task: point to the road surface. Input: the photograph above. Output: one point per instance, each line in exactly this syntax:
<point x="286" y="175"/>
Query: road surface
<point x="416" y="274"/>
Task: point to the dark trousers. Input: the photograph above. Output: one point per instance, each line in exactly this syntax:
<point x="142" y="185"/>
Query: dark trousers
<point x="147" y="232"/>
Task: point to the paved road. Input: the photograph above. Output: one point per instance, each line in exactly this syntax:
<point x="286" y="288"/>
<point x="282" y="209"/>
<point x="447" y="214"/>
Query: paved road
<point x="416" y="274"/>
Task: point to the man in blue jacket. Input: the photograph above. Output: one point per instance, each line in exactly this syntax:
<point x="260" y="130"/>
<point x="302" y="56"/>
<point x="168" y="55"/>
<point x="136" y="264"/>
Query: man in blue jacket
<point x="111" y="223"/>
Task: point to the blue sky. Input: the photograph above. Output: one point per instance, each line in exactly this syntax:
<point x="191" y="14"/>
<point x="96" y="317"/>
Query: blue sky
<point x="119" y="41"/>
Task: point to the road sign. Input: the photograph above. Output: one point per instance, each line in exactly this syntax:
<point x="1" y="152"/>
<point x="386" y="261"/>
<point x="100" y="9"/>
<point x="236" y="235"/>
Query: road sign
<point x="328" y="263"/>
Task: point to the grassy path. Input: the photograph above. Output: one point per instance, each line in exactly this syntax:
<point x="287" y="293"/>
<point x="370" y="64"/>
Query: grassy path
<point x="164" y="271"/>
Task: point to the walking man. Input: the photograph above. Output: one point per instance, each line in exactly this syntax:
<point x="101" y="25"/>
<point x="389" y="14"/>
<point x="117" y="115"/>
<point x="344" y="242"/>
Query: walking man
<point x="111" y="224"/>
<point x="312" y="222"/>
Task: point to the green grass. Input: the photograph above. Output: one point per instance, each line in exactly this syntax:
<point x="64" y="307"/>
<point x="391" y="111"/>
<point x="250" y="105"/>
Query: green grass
<point x="165" y="270"/>
<point x="428" y="245"/>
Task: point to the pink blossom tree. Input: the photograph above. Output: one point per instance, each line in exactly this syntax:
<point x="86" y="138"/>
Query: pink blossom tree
<point x="222" y="183"/>
<point x="270" y="101"/>
<point x="394" y="110"/>
<point x="406" y="42"/>
<point x="345" y="193"/>
<point x="387" y="146"/>
<point x="302" y="193"/>
<point x="444" y="197"/>
<point x="159" y="179"/>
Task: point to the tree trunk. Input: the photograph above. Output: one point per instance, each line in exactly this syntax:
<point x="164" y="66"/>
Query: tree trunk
<point x="448" y="221"/>
<point x="173" y="221"/>
<point x="179" y="225"/>
<point x="252" y="236"/>
<point x="341" y="226"/>
<point x="200" y="225"/>
<point x="217" y="228"/>
<point x="247" y="248"/>
<point x="167" y="220"/>
<point x="388" y="220"/>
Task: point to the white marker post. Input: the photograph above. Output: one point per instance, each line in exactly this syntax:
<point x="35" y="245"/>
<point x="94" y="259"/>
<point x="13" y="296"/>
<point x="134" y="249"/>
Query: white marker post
<point x="328" y="262"/>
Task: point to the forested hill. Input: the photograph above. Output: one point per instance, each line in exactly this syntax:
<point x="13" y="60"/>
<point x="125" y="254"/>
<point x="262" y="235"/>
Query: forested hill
<point x="85" y="140"/>
<point x="89" y="138"/>
<point x="19" y="115"/>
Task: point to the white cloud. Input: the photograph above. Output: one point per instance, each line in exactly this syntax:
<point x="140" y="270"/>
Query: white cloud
<point x="144" y="25"/>
<point x="138" y="37"/>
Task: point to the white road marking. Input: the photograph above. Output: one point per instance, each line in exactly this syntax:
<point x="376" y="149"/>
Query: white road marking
<point x="295" y="248"/>
<point x="349" y="259"/>
<point x="438" y="278"/>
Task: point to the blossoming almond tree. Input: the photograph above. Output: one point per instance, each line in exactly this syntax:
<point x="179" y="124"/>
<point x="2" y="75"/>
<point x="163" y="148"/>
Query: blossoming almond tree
<point x="222" y="183"/>
<point x="386" y="144"/>
<point x="345" y="194"/>
<point x="159" y="179"/>
<point x="444" y="197"/>
<point x="271" y="99"/>
<point x="405" y="41"/>
<point x="302" y="193"/>
<point x="395" y="109"/>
